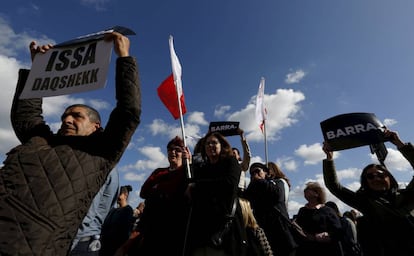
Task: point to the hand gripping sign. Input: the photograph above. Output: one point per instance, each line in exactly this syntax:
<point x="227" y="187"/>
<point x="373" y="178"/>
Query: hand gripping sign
<point x="352" y="130"/>
<point x="74" y="66"/>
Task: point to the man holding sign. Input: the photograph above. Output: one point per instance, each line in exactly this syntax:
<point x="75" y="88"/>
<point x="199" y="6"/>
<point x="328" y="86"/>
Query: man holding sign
<point x="48" y="182"/>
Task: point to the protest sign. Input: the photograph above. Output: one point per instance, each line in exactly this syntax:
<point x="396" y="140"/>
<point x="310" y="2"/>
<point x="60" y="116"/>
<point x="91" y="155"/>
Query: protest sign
<point x="74" y="66"/>
<point x="225" y="128"/>
<point x="352" y="130"/>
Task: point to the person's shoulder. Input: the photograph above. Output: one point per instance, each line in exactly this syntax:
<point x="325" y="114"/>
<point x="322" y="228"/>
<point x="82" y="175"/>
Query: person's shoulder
<point x="228" y="160"/>
<point x="160" y="170"/>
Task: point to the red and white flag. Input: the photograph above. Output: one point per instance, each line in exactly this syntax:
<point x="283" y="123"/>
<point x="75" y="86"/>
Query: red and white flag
<point x="260" y="108"/>
<point x="170" y="91"/>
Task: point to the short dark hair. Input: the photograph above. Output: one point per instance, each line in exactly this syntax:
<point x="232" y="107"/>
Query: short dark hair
<point x="93" y="114"/>
<point x="177" y="141"/>
<point x="238" y="152"/>
<point x="125" y="189"/>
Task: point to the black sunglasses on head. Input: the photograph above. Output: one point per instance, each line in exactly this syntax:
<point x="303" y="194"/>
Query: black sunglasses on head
<point x="381" y="175"/>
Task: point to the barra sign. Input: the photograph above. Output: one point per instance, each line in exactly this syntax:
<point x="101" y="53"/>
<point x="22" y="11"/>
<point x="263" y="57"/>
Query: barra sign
<point x="352" y="130"/>
<point x="225" y="128"/>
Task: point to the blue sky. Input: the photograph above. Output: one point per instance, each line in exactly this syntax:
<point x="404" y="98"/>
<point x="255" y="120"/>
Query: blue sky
<point x="320" y="59"/>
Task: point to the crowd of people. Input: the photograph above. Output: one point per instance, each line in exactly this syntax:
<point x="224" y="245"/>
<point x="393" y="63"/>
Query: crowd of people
<point x="58" y="192"/>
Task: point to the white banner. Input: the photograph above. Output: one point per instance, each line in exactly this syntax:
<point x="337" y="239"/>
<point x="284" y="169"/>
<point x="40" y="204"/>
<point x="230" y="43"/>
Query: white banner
<point x="69" y="69"/>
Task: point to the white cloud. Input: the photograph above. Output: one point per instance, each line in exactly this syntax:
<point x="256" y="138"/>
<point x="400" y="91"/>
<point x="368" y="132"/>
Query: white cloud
<point x="53" y="107"/>
<point x="197" y="118"/>
<point x="287" y="163"/>
<point x="350" y="173"/>
<point x="99" y="104"/>
<point x="158" y="127"/>
<point x="153" y="157"/>
<point x="389" y="122"/>
<point x="282" y="110"/>
<point x="394" y="161"/>
<point x="135" y="176"/>
<point x="8" y="140"/>
<point x="12" y="43"/>
<point x="192" y="131"/>
<point x="221" y="111"/>
<point x="99" y="5"/>
<point x="312" y="154"/>
<point x="295" y="77"/>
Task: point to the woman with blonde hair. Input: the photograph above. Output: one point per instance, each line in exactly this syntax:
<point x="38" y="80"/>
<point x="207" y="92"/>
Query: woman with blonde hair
<point x="258" y="243"/>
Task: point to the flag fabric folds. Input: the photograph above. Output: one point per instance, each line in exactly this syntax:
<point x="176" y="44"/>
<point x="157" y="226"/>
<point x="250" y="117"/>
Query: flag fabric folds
<point x="168" y="95"/>
<point x="260" y="108"/>
<point x="170" y="91"/>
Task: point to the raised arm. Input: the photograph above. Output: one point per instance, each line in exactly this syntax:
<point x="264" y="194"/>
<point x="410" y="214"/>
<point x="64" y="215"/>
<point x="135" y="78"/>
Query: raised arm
<point x="125" y="117"/>
<point x="331" y="180"/>
<point x="26" y="114"/>
<point x="246" y="152"/>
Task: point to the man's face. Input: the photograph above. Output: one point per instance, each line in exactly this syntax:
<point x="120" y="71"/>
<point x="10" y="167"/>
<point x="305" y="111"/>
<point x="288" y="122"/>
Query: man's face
<point x="76" y="122"/>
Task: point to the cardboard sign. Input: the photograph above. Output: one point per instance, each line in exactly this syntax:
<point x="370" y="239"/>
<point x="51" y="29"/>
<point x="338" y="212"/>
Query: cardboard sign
<point x="74" y="66"/>
<point x="96" y="36"/>
<point x="225" y="128"/>
<point x="352" y="130"/>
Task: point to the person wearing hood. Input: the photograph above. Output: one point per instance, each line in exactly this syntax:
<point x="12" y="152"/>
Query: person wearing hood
<point x="387" y="225"/>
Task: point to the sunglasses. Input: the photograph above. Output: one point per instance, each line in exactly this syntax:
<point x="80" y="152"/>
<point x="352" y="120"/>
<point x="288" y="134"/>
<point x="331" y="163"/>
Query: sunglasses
<point x="373" y="175"/>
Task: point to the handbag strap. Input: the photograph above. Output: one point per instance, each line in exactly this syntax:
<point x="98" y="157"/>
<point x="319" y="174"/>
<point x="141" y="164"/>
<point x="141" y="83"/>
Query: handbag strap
<point x="234" y="207"/>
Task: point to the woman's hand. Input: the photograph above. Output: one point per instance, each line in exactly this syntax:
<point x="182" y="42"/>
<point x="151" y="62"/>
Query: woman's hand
<point x="328" y="151"/>
<point x="393" y="137"/>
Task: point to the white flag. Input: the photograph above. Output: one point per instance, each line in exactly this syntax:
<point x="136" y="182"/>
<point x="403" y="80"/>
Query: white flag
<point x="260" y="108"/>
<point x="176" y="68"/>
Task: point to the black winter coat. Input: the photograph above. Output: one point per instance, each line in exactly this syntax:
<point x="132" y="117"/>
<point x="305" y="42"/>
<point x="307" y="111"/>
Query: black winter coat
<point x="48" y="182"/>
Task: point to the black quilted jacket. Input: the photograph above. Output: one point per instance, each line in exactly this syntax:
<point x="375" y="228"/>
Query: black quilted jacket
<point x="48" y="182"/>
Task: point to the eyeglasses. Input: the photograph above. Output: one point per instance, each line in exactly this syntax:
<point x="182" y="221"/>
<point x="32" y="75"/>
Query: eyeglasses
<point x="176" y="149"/>
<point x="373" y="175"/>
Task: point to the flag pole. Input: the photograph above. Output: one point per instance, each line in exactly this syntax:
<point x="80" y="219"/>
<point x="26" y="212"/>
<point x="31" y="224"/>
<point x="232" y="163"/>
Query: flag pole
<point x="261" y="113"/>
<point x="186" y="162"/>
<point x="265" y="143"/>
<point x="177" y="71"/>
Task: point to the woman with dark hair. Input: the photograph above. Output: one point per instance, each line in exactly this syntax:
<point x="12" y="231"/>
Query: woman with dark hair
<point x="213" y="193"/>
<point x="267" y="195"/>
<point x="278" y="175"/>
<point x="387" y="225"/>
